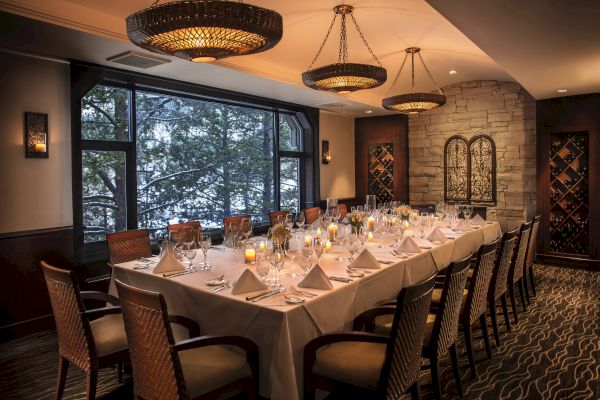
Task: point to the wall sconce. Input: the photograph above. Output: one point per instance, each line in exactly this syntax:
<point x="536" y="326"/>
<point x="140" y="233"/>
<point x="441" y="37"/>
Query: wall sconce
<point x="36" y="135"/>
<point x="325" y="153"/>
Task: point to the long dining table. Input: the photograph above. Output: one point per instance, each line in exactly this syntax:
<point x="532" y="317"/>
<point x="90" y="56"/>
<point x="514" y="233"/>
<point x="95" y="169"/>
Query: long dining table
<point x="281" y="330"/>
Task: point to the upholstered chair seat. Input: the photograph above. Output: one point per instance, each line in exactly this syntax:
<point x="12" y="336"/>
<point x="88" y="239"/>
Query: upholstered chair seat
<point x="357" y="363"/>
<point x="218" y="366"/>
<point x="109" y="334"/>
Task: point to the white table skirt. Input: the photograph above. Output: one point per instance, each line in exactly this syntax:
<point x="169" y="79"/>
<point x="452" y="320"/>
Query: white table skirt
<point x="281" y="330"/>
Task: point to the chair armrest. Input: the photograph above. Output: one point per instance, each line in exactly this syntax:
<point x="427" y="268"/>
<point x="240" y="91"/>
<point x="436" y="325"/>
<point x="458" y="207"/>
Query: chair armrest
<point x="101" y="296"/>
<point x="101" y="312"/>
<point x="191" y="325"/>
<point x="366" y="320"/>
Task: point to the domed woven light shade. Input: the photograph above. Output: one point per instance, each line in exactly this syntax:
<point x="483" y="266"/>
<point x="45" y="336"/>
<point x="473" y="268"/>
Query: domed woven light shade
<point x="345" y="77"/>
<point x="414" y="102"/>
<point x="205" y="30"/>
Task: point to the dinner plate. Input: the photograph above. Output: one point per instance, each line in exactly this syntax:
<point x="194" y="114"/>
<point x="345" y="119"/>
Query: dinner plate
<point x="293" y="300"/>
<point x="215" y="282"/>
<point x="355" y="274"/>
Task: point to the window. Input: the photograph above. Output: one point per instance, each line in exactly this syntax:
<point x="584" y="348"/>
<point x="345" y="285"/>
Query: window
<point x="470" y="169"/>
<point x="153" y="155"/>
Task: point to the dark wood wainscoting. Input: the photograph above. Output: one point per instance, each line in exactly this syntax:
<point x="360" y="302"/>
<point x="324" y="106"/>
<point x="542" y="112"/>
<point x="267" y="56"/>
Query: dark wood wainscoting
<point x="24" y="303"/>
<point x="379" y="130"/>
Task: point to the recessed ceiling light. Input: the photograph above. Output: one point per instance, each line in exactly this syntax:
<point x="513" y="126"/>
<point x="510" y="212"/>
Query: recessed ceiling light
<point x="452" y="72"/>
<point x="368" y="111"/>
<point x="562" y="90"/>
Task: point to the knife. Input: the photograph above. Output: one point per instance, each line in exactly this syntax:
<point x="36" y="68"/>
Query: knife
<point x="251" y="298"/>
<point x="340" y="279"/>
<point x="264" y="296"/>
<point x="172" y="274"/>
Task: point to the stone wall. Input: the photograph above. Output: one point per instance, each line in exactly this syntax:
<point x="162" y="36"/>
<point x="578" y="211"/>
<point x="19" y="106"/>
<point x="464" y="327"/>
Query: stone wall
<point x="503" y="110"/>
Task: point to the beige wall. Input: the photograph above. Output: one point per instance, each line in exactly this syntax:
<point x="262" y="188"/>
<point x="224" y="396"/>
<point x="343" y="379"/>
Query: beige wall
<point x="36" y="193"/>
<point x="503" y="110"/>
<point x="337" y="177"/>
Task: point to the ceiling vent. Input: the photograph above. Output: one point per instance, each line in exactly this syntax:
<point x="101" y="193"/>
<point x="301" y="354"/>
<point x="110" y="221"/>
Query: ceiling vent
<point x="138" y="60"/>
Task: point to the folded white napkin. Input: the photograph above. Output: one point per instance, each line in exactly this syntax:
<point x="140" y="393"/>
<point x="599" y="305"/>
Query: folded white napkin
<point x="408" y="245"/>
<point x="247" y="282"/>
<point x="365" y="260"/>
<point x="477" y="220"/>
<point x="316" y="279"/>
<point x="437" y="234"/>
<point x="462" y="226"/>
<point x="168" y="263"/>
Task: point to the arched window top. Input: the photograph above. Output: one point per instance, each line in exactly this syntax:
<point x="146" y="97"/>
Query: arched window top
<point x="470" y="169"/>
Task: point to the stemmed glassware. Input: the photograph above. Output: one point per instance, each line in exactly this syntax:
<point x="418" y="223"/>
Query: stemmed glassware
<point x="189" y="245"/>
<point x="318" y="248"/>
<point x="305" y="259"/>
<point x="289" y="221"/>
<point x="205" y="243"/>
<point x="246" y="228"/>
<point x="467" y="211"/>
<point x="353" y="247"/>
<point x="300" y="220"/>
<point x="277" y="260"/>
<point x="398" y="234"/>
<point x="262" y="267"/>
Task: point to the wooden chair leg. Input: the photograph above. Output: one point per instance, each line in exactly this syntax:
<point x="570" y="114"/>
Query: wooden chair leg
<point x="469" y="345"/>
<point x="522" y="294"/>
<point x="90" y="385"/>
<point x="505" y="311"/>
<point x="513" y="301"/>
<point x="455" y="369"/>
<point x="484" y="332"/>
<point x="492" y="305"/>
<point x="532" y="281"/>
<point x="435" y="377"/>
<point x="415" y="391"/>
<point x="63" y="368"/>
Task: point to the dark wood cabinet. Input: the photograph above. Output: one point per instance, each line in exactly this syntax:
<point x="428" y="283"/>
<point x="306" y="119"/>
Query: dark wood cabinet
<point x="381" y="156"/>
<point x="568" y="178"/>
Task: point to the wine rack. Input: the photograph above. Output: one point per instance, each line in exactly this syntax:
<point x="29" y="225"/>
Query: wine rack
<point x="381" y="171"/>
<point x="569" y="185"/>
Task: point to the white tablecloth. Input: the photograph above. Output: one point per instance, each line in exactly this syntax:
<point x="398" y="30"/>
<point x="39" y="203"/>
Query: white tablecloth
<point x="281" y="330"/>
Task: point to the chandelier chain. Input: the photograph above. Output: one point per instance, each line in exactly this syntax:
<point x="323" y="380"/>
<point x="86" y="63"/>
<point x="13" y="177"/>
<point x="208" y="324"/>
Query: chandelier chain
<point x="343" y="50"/>
<point x="365" y="41"/>
<point x="324" y="41"/>
<point x="397" y="75"/>
<point x="429" y="74"/>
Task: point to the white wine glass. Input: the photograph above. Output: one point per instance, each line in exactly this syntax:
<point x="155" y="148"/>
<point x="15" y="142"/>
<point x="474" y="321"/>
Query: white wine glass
<point x="318" y="248"/>
<point x="205" y="243"/>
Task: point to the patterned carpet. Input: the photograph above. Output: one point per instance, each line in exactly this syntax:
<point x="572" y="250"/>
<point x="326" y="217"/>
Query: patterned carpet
<point x="552" y="353"/>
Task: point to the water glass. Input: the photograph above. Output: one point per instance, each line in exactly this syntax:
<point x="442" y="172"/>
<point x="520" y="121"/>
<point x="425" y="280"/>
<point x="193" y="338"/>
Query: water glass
<point x="262" y="267"/>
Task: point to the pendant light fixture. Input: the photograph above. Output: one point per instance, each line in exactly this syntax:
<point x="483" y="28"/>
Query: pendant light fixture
<point x="344" y="77"/>
<point x="414" y="102"/>
<point x="205" y="30"/>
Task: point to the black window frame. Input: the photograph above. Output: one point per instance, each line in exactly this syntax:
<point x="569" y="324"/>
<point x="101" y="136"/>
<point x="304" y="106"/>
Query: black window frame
<point x="84" y="76"/>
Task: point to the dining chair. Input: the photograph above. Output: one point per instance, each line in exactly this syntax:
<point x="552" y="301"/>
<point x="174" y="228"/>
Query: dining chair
<point x="528" y="276"/>
<point x="234" y="221"/>
<point x="371" y="365"/>
<point x="275" y="217"/>
<point x="441" y="331"/>
<point x="201" y="367"/>
<point x="128" y="245"/>
<point x="311" y="214"/>
<point x="342" y="212"/>
<point x="90" y="339"/>
<point x="517" y="266"/>
<point x="123" y="246"/>
<point x="195" y="225"/>
<point x="498" y="284"/>
<point x="475" y="303"/>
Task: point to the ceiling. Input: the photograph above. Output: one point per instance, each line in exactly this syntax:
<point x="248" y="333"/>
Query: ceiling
<point x="95" y="30"/>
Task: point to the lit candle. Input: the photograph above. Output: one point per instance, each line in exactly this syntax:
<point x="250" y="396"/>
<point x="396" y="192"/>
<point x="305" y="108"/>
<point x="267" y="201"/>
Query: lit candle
<point x="41" y="147"/>
<point x="249" y="256"/>
<point x="371" y="224"/>
<point x="327" y="246"/>
<point x="394" y="221"/>
<point x="262" y="246"/>
<point x="307" y="240"/>
<point x="318" y="233"/>
<point x="370" y="236"/>
<point x="331" y="231"/>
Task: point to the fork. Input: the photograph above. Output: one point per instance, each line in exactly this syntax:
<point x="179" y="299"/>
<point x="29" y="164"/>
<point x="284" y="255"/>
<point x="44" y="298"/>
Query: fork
<point x="302" y="293"/>
<point x="226" y="284"/>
